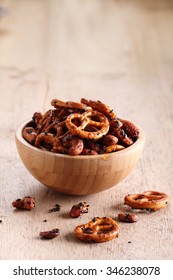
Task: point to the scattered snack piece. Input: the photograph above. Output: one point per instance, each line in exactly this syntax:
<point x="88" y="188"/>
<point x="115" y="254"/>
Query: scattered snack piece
<point x="128" y="217"/>
<point x="56" y="208"/>
<point x="80" y="128"/>
<point x="149" y="200"/>
<point x="0" y="221"/>
<point x="50" y="234"/>
<point x="79" y="209"/>
<point x="26" y="203"/>
<point x="97" y="230"/>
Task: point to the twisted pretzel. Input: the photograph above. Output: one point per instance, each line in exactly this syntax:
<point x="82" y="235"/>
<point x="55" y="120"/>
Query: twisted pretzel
<point x="86" y="119"/>
<point x="69" y="104"/>
<point x="45" y="141"/>
<point x="97" y="230"/>
<point x="149" y="200"/>
<point x="29" y="134"/>
<point x="99" y="106"/>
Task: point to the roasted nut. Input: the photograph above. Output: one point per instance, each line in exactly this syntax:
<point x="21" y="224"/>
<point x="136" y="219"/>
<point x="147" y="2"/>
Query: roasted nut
<point x="109" y="140"/>
<point x="79" y="209"/>
<point x="50" y="234"/>
<point x="130" y="129"/>
<point x="128" y="217"/>
<point x="26" y="203"/>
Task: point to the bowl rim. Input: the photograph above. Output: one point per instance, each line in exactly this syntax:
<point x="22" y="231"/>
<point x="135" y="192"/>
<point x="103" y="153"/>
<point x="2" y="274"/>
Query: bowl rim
<point x="138" y="142"/>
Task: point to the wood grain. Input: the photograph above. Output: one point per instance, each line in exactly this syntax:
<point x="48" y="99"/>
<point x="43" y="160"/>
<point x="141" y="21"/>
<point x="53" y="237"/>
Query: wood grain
<point x="79" y="175"/>
<point x="119" y="52"/>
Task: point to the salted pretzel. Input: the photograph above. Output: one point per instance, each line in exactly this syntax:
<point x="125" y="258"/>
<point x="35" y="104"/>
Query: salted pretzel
<point x="99" y="106"/>
<point x="97" y="230"/>
<point x="149" y="200"/>
<point x="102" y="124"/>
<point x="69" y="104"/>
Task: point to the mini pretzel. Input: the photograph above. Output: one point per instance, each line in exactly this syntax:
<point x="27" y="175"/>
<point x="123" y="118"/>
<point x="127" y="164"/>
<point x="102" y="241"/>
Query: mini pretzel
<point x="86" y="119"/>
<point x="69" y="104"/>
<point x="97" y="230"/>
<point x="45" y="141"/>
<point x="37" y="117"/>
<point x="29" y="134"/>
<point x="99" y="106"/>
<point x="113" y="148"/>
<point x="149" y="200"/>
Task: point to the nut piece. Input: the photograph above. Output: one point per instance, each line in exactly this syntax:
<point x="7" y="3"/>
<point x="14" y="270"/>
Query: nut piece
<point x="50" y="234"/>
<point x="79" y="209"/>
<point x="26" y="203"/>
<point x="128" y="217"/>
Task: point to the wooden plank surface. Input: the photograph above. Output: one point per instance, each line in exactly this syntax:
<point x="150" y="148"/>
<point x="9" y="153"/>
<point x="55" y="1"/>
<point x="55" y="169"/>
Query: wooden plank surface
<point x="119" y="52"/>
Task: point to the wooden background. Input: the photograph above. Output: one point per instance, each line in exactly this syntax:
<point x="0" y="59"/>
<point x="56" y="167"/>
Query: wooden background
<point x="120" y="52"/>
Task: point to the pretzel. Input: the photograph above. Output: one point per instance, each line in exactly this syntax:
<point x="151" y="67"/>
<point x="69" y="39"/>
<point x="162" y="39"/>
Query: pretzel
<point x="69" y="104"/>
<point x="149" y="200"/>
<point x="45" y="141"/>
<point x="29" y="134"/>
<point x="99" y="106"/>
<point x="97" y="230"/>
<point x="37" y="117"/>
<point x="113" y="148"/>
<point x="86" y="119"/>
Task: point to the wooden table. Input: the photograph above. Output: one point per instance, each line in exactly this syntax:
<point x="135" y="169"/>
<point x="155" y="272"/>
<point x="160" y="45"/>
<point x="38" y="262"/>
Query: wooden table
<point x="120" y="52"/>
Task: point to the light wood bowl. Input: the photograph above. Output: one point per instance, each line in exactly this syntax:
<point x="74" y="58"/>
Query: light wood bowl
<point x="78" y="175"/>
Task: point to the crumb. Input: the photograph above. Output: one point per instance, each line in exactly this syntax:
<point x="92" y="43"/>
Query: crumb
<point x="56" y="208"/>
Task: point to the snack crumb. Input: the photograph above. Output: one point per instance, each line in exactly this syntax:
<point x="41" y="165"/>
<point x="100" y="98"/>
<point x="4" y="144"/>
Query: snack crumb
<point x="56" y="208"/>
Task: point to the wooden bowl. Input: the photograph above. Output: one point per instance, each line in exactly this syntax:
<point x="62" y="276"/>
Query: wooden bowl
<point x="78" y="175"/>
